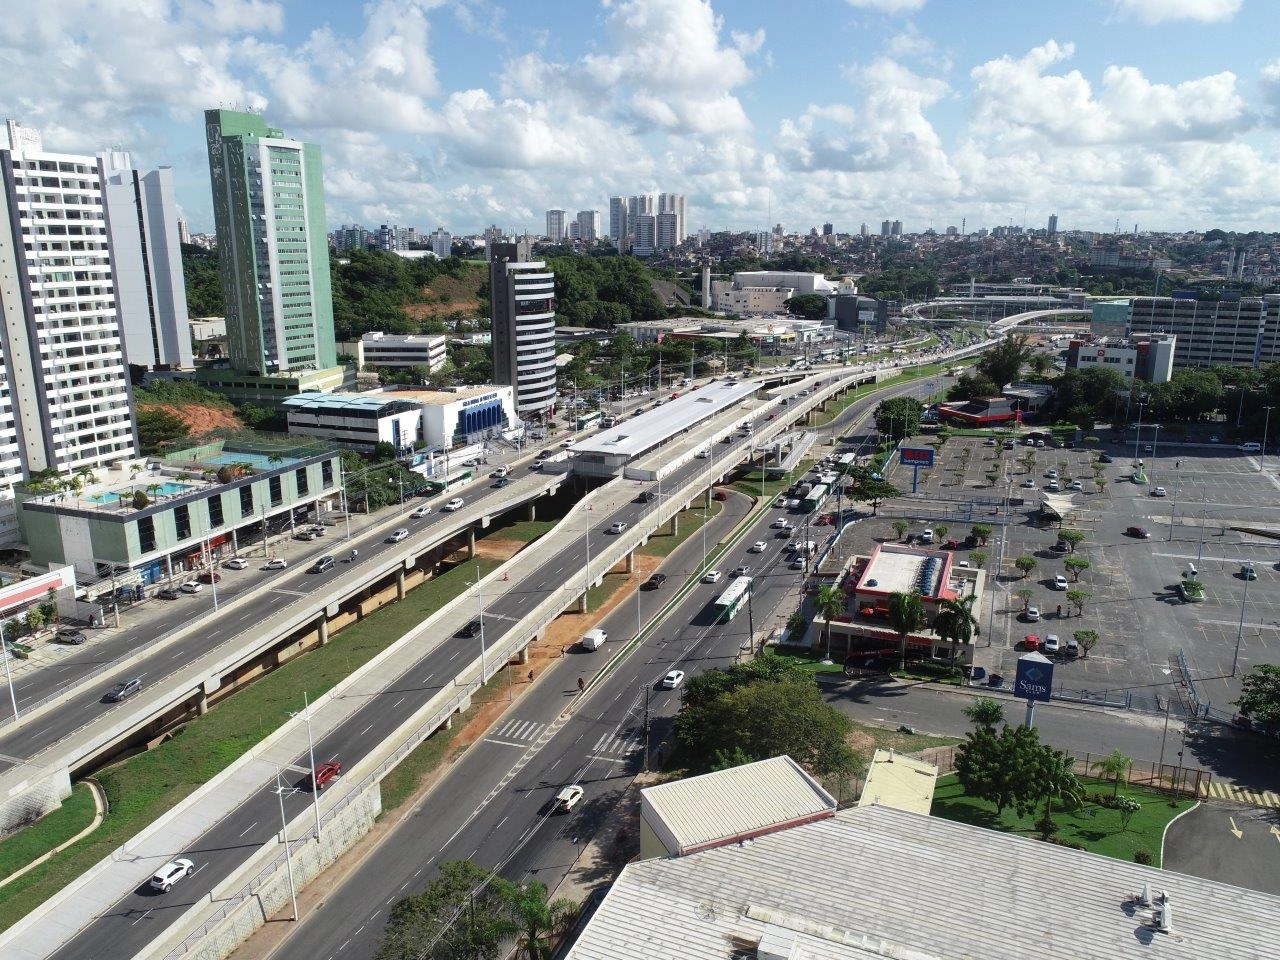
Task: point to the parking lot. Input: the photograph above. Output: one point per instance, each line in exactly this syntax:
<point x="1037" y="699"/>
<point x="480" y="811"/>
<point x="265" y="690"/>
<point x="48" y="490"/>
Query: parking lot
<point x="1131" y="583"/>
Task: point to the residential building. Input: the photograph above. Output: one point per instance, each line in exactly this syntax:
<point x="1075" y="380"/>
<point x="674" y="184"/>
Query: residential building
<point x="644" y="234"/>
<point x="588" y="225"/>
<point x="182" y="512"/>
<point x="268" y="204"/>
<point x="673" y="203"/>
<point x="184" y="234"/>
<point x="400" y="351"/>
<point x="896" y="230"/>
<point x="522" y="296"/>
<point x="65" y="394"/>
<point x="618" y="220"/>
<point x="885" y="227"/>
<point x="640" y="205"/>
<point x="146" y="252"/>
<point x="1230" y="329"/>
<point x="351" y="238"/>
<point x="828" y="229"/>
<point x="555" y="226"/>
<point x="1053" y="224"/>
<point x="441" y="242"/>
<point x="850" y="886"/>
<point x="667" y="228"/>
<point x="864" y="231"/>
<point x="1144" y="356"/>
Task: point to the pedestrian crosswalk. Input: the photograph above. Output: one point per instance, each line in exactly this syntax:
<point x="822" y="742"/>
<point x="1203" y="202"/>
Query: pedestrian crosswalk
<point x="617" y="745"/>
<point x="1219" y="790"/>
<point x="612" y="747"/>
<point x="517" y="733"/>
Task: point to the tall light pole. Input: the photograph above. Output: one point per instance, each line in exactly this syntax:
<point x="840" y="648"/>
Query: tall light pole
<point x="8" y="675"/>
<point x="311" y="754"/>
<point x="1155" y="441"/>
<point x="1262" y="456"/>
<point x="480" y="599"/>
<point x="284" y="838"/>
<point x="1235" y="661"/>
<point x="1137" y="437"/>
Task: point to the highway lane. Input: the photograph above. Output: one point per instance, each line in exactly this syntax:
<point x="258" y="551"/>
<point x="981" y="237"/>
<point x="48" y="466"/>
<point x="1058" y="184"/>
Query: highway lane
<point x="494" y="805"/>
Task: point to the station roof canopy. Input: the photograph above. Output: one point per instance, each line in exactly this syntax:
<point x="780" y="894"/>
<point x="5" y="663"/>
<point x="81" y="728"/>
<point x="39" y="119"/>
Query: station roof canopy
<point x="640" y="434"/>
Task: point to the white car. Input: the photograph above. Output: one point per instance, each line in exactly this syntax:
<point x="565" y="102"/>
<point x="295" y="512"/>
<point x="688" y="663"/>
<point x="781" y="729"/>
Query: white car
<point x="236" y="563"/>
<point x="568" y="798"/>
<point x="712" y="576"/>
<point x="779" y="524"/>
<point x="1059" y="582"/>
<point x="797" y="563"/>
<point x="1052" y="486"/>
<point x="397" y="535"/>
<point x="420" y="513"/>
<point x="275" y="563"/>
<point x="1052" y="644"/>
<point x="1159" y="492"/>
<point x="1051" y="474"/>
<point x="673" y="680"/>
<point x="191" y="586"/>
<point x="452" y="505"/>
<point x="1032" y="615"/>
<point x="173" y="871"/>
<point x="1029" y="483"/>
<point x="759" y="546"/>
<point x="618" y="526"/>
<point x="1077" y="485"/>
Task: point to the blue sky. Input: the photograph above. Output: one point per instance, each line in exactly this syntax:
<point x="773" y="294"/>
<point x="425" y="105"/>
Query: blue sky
<point x="1162" y="113"/>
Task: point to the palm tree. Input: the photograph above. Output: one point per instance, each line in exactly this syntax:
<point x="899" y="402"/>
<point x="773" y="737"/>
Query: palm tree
<point x="1114" y="765"/>
<point x="956" y="623"/>
<point x="829" y="604"/>
<point x="1057" y="781"/>
<point x="538" y="920"/>
<point x="906" y="613"/>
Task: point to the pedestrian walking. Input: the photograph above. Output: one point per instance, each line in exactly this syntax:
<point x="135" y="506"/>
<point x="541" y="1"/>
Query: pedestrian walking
<point x="582" y="685"/>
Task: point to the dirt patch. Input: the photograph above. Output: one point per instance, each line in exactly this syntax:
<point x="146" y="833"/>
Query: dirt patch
<point x="562" y="633"/>
<point x="862" y="743"/>
<point x="201" y="419"/>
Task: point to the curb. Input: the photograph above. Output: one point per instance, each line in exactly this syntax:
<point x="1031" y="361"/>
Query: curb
<point x="1164" y="835"/>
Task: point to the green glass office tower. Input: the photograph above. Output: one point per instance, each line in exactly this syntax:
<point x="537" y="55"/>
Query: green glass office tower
<point x="268" y="206"/>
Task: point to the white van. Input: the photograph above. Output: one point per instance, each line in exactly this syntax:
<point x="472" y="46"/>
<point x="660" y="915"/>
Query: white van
<point x="594" y="639"/>
<point x="1250" y="447"/>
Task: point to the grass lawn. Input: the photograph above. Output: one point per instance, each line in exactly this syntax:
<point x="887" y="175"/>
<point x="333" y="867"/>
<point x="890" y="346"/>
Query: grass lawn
<point x="690" y="522"/>
<point x="61" y="825"/>
<point x="807" y="662"/>
<point x="1096" y="827"/>
<point x="748" y="481"/>
<point x="142" y="787"/>
<point x="889" y="739"/>
<point x="524" y="530"/>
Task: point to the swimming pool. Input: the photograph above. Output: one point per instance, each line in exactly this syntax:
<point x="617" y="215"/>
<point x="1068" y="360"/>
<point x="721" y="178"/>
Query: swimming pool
<point x="259" y="461"/>
<point x="166" y="489"/>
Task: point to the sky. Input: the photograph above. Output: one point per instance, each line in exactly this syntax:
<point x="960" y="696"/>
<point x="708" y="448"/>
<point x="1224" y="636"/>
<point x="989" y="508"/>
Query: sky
<point x="1163" y="114"/>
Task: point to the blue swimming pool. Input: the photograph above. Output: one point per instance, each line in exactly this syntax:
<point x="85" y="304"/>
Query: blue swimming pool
<point x="166" y="489"/>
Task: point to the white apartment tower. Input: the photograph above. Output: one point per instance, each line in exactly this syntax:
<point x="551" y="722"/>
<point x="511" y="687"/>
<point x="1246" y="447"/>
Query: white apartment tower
<point x="146" y="253"/>
<point x="555" y="226"/>
<point x="588" y="225"/>
<point x="674" y="203"/>
<point x="522" y="298"/>
<point x="618" y="220"/>
<point x="65" y="400"/>
<point x="644" y="234"/>
<point x="441" y="242"/>
<point x="667" y="228"/>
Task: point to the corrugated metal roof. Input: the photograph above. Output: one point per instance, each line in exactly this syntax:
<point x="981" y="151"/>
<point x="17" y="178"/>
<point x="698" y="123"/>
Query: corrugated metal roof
<point x="690" y="813"/>
<point x="876" y="882"/>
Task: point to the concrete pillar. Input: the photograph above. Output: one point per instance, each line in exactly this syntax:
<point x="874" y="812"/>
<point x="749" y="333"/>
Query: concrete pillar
<point x="400" y="584"/>
<point x="675" y="524"/>
<point x="706" y="505"/>
<point x="532" y="513"/>
<point x="448" y="724"/>
<point x="629" y="562"/>
<point x="582" y="603"/>
<point x="202" y="703"/>
<point x="471" y="543"/>
<point x="523" y="656"/>
<point x="323" y="629"/>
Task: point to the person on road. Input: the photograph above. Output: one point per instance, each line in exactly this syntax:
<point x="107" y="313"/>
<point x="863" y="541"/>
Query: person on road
<point x="582" y="685"/>
<point x="352" y="556"/>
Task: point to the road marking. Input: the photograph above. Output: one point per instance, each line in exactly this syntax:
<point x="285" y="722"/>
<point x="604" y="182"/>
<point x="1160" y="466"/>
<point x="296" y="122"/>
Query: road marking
<point x="397" y="703"/>
<point x="365" y="730"/>
<point x="505" y="743"/>
<point x="292" y="593"/>
<point x="248" y="828"/>
<point x="1234" y="829"/>
<point x="141" y="918"/>
<point x="596" y="756"/>
<point x="1275" y="832"/>
<point x="426" y="678"/>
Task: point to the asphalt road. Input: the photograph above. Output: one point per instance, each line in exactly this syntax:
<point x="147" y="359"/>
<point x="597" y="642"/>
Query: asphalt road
<point x="1231" y="844"/>
<point x="233" y="839"/>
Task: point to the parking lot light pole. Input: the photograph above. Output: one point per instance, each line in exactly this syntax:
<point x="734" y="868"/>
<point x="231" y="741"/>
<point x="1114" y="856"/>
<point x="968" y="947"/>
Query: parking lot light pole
<point x="1262" y="454"/>
<point x="1235" y="661"/>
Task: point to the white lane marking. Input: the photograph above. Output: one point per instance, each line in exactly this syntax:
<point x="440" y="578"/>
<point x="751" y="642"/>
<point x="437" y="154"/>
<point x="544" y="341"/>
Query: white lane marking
<point x="248" y="828"/>
<point x="505" y="743"/>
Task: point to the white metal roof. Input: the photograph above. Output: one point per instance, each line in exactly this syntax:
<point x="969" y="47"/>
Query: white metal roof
<point x="715" y="807"/>
<point x="630" y="438"/>
<point x="874" y="882"/>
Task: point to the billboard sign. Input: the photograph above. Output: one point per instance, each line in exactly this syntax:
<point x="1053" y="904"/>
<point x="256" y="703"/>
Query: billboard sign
<point x="1034" y="680"/>
<point x="916" y="456"/>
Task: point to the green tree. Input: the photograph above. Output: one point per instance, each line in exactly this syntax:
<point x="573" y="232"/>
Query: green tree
<point x="973" y="386"/>
<point x="1071" y="537"/>
<point x="811" y="306"/>
<point x="157" y="427"/>
<point x="982" y="532"/>
<point x="1055" y="779"/>
<point x="1113" y="766"/>
<point x="539" y="921"/>
<point x="906" y="613"/>
<point x="956" y="623"/>
<point x="1026" y="564"/>
<point x="1004" y="362"/>
<point x="1260" y="694"/>
<point x="873" y="492"/>
<point x="461" y="914"/>
<point x="899" y="416"/>
<point x="985" y="713"/>
<point x="828" y="604"/>
<point x="1076" y="566"/>
<point x="1088" y="639"/>
<point x="994" y="767"/>
<point x="900" y="527"/>
<point x="1026" y="597"/>
<point x="978" y="559"/>
<point x="1077" y="599"/>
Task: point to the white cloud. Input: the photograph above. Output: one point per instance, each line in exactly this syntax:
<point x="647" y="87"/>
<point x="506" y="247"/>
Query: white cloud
<point x="888" y="6"/>
<point x="747" y="43"/>
<point x="1018" y="99"/>
<point x="1160" y="11"/>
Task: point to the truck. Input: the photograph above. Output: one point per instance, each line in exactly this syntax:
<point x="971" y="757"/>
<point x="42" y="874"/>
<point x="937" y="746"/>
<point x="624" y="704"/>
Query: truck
<point x="594" y="639"/>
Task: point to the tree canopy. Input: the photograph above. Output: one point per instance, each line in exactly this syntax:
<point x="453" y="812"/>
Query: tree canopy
<point x="1260" y="694"/>
<point x="899" y="416"/>
<point x="1003" y="362"/>
<point x="604" y="291"/>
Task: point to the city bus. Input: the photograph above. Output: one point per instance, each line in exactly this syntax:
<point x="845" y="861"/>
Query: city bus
<point x="586" y="421"/>
<point x="455" y="477"/>
<point x="732" y="600"/>
<point x="846" y="462"/>
<point x="815" y="498"/>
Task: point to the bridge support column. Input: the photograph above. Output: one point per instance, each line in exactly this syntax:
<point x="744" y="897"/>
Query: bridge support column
<point x="323" y="629"/>
<point x="202" y="703"/>
<point x="400" y="584"/>
<point x="523" y="656"/>
<point x="675" y="524"/>
<point x="532" y="513"/>
<point x="582" y="603"/>
<point x="629" y="562"/>
<point x="448" y="724"/>
<point x="471" y="544"/>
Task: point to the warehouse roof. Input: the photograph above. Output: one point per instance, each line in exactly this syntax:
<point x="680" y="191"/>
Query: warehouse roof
<point x="874" y="882"/>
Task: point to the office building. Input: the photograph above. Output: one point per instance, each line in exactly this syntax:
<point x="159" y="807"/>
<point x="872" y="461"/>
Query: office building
<point x="1053" y="224"/>
<point x="65" y="396"/>
<point x="398" y="350"/>
<point x="1144" y="356"/>
<point x="146" y="252"/>
<point x="555" y="226"/>
<point x="441" y="242"/>
<point x="1230" y="329"/>
<point x="885" y="227"/>
<point x="268" y="204"/>
<point x="588" y="225"/>
<point x="618" y="219"/>
<point x="522" y="295"/>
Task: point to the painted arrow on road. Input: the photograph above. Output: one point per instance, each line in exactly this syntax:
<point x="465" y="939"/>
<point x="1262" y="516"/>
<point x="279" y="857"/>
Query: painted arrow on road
<point x="1275" y="832"/>
<point x="1236" y="830"/>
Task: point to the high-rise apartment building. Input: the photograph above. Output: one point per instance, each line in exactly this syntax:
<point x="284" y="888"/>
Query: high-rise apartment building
<point x="441" y="242"/>
<point x="522" y="296"/>
<point x="618" y="220"/>
<point x="1053" y="224"/>
<point x="885" y="227"/>
<point x="184" y="234"/>
<point x="828" y="229"/>
<point x="268" y="204"/>
<point x="639" y="206"/>
<point x="673" y="203"/>
<point x="896" y="229"/>
<point x="644" y="234"/>
<point x="588" y="225"/>
<point x="864" y="231"/>
<point x="555" y="226"/>
<point x="65" y="397"/>
<point x="667" y="228"/>
<point x="146" y="254"/>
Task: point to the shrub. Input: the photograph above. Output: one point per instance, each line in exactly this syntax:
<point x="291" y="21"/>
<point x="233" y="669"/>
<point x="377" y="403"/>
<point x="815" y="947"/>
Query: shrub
<point x="1072" y="844"/>
<point x="1143" y="857"/>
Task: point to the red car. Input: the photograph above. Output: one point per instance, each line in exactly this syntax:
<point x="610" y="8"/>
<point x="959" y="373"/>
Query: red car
<point x="719" y="495"/>
<point x="325" y="773"/>
<point x="1031" y="643"/>
<point x="208" y="577"/>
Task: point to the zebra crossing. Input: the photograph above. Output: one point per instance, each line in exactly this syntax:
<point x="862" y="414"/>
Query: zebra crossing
<point x="618" y="746"/>
<point x="517" y="733"/>
<point x="1237" y="794"/>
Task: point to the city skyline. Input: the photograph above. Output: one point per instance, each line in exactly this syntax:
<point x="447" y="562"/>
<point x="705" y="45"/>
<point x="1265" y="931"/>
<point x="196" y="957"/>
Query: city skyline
<point x="1162" y="114"/>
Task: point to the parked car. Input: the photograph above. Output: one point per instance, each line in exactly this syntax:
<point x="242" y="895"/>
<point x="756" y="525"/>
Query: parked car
<point x="1076" y="485"/>
<point x="720" y="495"/>
<point x="618" y="526"/>
<point x="236" y="563"/>
<point x="124" y="690"/>
<point x="712" y="576"/>
<point x="1032" y="615"/>
<point x="673" y="679"/>
<point x="1059" y="582"/>
<point x="1105" y="458"/>
<point x="275" y="563"/>
<point x="324" y="563"/>
<point x="568" y="798"/>
<point x="1051" y="474"/>
<point x="1029" y="483"/>
<point x="1142" y="533"/>
<point x="1052" y="487"/>
<point x="1052" y="645"/>
<point x="1031" y="643"/>
<point x="173" y="871"/>
<point x="192" y="586"/>
<point x="1159" y="492"/>
<point x="454" y="504"/>
<point x="1250" y="447"/>
<point x="325" y="774"/>
<point x="1247" y="572"/>
<point x="73" y="637"/>
<point x="797" y="563"/>
<point x="1072" y="647"/>
<point x="655" y="581"/>
<point x="470" y="629"/>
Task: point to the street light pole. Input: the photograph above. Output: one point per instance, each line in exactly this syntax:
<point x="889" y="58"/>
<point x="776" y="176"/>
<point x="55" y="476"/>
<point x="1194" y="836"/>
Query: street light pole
<point x="1262" y="456"/>
<point x="284" y="838"/>
<point x="480" y="597"/>
<point x="1235" y="661"/>
<point x="8" y="675"/>
<point x="1137" y="437"/>
<point x="311" y="754"/>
